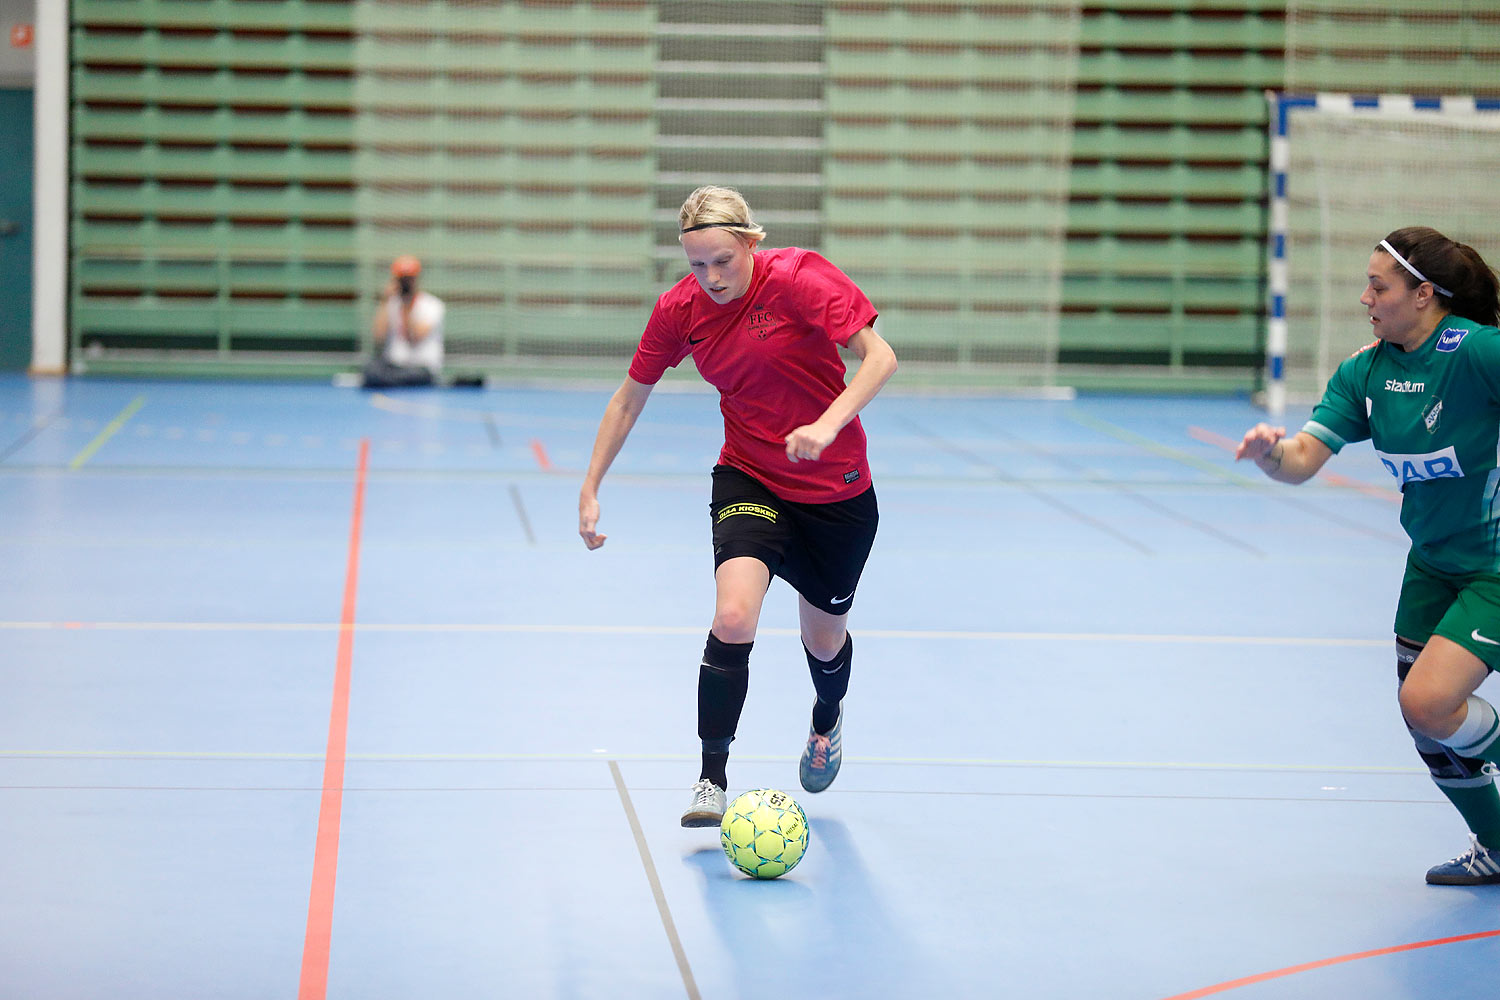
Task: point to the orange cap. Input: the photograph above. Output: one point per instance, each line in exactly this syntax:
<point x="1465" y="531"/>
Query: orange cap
<point x="406" y="266"/>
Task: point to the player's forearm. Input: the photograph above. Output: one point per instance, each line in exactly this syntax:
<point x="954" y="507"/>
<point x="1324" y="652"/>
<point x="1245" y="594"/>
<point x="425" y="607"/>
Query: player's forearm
<point x="1291" y="460"/>
<point x="876" y="367"/>
<point x="619" y="417"/>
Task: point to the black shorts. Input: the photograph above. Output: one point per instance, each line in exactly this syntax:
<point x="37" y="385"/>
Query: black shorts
<point x="819" y="548"/>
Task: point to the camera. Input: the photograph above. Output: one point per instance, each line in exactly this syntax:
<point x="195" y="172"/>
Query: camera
<point x="406" y="286"/>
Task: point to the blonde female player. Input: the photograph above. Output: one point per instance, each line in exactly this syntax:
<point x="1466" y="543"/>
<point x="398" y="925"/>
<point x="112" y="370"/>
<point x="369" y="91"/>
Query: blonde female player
<point x="1427" y="394"/>
<point x="791" y="492"/>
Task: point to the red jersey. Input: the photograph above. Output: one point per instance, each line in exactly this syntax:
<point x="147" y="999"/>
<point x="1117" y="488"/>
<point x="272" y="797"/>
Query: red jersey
<point x="771" y="355"/>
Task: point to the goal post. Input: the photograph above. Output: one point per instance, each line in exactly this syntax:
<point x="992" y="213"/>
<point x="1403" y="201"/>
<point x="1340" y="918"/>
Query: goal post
<point x="1345" y="171"/>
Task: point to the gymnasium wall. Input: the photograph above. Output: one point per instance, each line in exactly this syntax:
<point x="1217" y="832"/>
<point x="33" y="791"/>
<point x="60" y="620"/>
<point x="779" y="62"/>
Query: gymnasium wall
<point x="1052" y="192"/>
<point x="17" y="61"/>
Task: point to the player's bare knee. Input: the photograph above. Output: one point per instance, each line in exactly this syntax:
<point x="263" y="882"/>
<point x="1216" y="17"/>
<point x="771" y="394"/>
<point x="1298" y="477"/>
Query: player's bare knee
<point x="1425" y="710"/>
<point x="1410" y="700"/>
<point x="823" y="646"/>
<point x="735" y="623"/>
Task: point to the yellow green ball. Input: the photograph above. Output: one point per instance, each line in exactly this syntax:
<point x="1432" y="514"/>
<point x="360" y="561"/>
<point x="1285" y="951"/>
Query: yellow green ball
<point x="764" y="833"/>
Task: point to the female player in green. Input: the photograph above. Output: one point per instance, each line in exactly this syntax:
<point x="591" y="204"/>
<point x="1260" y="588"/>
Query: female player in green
<point x="792" y="495"/>
<point x="1426" y="393"/>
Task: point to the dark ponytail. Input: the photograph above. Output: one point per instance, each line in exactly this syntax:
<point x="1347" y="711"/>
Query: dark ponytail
<point x="1456" y="266"/>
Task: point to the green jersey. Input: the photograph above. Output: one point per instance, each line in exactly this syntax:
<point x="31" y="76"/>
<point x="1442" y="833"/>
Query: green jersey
<point x="1433" y="415"/>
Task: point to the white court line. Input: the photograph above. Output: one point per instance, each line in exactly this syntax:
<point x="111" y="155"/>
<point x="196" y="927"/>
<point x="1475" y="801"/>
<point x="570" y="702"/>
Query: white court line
<point x="1117" y="637"/>
<point x="524" y="629"/>
<point x="566" y="758"/>
<point x="436" y="411"/>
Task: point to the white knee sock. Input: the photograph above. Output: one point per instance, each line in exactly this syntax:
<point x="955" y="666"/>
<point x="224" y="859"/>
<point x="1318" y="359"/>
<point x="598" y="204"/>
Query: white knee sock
<point x="1476" y="735"/>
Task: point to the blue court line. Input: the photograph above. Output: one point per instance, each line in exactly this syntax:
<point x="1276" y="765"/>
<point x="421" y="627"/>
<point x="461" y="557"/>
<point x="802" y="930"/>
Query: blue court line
<point x="497" y="418"/>
<point x="1122" y="488"/>
<point x="1027" y="485"/>
<point x="1331" y="478"/>
<point x="1194" y="462"/>
<point x="37" y="427"/>
<point x="515" y="498"/>
<point x="1160" y="450"/>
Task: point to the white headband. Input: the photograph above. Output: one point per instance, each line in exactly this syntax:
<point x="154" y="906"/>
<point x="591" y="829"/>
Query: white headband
<point x="1418" y="274"/>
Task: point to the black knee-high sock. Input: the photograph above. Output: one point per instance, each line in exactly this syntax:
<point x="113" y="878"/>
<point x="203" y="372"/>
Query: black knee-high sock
<point x="831" y="681"/>
<point x="723" y="679"/>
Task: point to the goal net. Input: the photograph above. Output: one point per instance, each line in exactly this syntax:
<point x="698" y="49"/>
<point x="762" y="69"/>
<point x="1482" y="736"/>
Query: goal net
<point x="1345" y="172"/>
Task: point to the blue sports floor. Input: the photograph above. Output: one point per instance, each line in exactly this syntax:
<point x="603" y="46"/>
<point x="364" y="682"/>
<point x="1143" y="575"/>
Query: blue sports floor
<point x="315" y="692"/>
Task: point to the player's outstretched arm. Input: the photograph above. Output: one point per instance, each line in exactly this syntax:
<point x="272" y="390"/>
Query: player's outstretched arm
<point x="619" y="417"/>
<point x="1285" y="459"/>
<point x="877" y="363"/>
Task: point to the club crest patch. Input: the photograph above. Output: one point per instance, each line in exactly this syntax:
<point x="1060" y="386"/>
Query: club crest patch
<point x="1449" y="339"/>
<point x="1432" y="416"/>
<point x="760" y="322"/>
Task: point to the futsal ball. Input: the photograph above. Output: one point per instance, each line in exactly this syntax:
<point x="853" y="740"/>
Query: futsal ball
<point x="764" y="833"/>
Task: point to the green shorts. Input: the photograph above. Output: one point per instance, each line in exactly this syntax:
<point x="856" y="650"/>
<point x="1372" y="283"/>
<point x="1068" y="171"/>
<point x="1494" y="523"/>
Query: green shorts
<point x="1463" y="608"/>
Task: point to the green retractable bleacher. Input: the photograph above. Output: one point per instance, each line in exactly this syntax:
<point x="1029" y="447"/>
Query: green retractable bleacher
<point x="243" y="170"/>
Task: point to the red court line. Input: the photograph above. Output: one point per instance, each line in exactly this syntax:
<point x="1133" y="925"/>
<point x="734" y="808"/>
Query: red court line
<point x="1209" y="437"/>
<point x="315" y="945"/>
<point x="540" y="451"/>
<point x="1235" y="984"/>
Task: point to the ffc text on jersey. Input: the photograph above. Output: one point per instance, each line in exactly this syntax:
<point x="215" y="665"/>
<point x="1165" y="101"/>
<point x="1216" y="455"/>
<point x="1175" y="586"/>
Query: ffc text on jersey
<point x="1416" y="468"/>
<point x="760" y="322"/>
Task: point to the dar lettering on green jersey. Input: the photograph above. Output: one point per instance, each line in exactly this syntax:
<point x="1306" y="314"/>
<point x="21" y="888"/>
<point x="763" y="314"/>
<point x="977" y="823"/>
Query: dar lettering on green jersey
<point x="1433" y="416"/>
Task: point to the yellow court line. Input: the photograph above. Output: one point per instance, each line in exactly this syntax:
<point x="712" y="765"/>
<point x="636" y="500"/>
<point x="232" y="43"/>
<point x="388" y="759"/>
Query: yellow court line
<point x="457" y="628"/>
<point x="108" y="432"/>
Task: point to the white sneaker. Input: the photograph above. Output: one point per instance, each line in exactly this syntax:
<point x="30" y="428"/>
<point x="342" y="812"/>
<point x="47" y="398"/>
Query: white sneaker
<point x="707" y="808"/>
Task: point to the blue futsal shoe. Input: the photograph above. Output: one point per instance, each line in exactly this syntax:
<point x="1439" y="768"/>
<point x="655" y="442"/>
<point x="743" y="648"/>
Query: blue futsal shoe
<point x="822" y="755"/>
<point x="1476" y="866"/>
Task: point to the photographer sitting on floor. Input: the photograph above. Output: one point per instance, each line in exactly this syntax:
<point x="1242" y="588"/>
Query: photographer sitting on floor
<point x="408" y="331"/>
